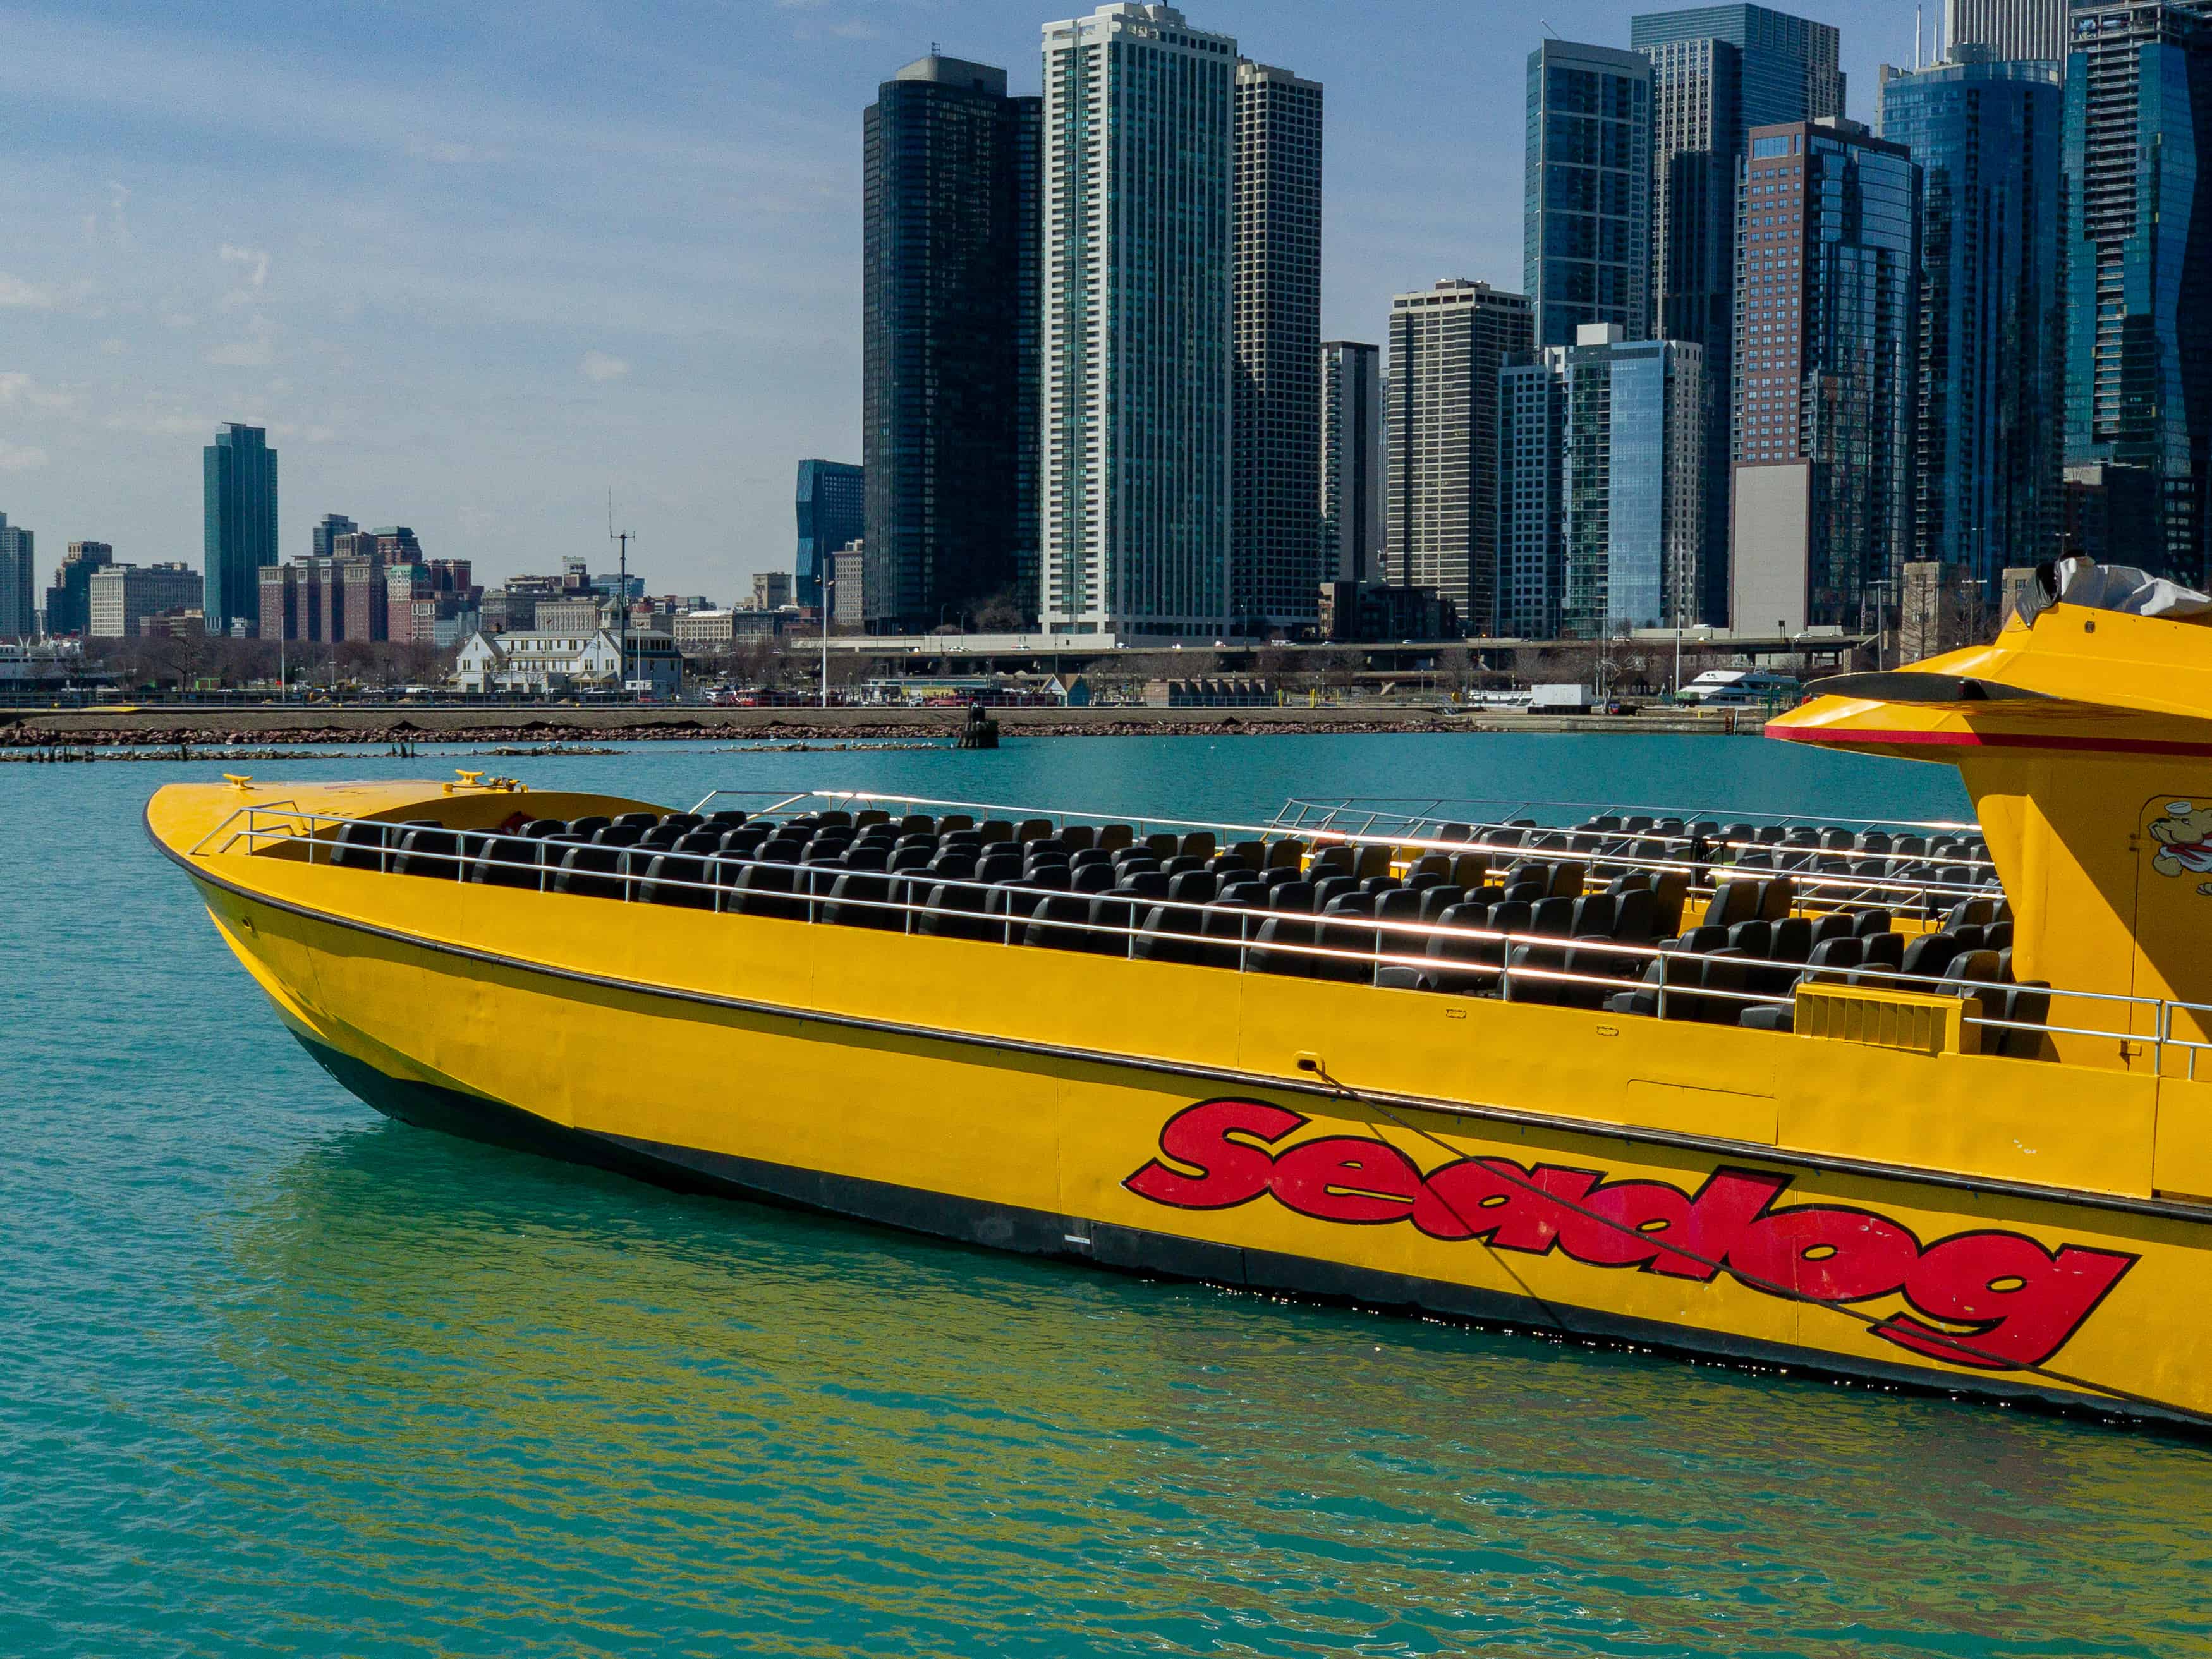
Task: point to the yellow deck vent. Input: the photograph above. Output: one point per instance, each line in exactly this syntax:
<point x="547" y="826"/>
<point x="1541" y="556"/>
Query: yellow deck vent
<point x="1883" y="1018"/>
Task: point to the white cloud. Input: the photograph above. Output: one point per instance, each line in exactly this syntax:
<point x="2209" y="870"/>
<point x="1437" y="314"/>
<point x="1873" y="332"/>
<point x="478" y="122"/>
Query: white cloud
<point x="253" y="257"/>
<point x="113" y="228"/>
<point x="597" y="365"/>
<point x="258" y="350"/>
<point x="17" y="387"/>
<point x="17" y="293"/>
<point x="445" y="152"/>
<point x="20" y="457"/>
<point x="244" y="354"/>
<point x="159" y="417"/>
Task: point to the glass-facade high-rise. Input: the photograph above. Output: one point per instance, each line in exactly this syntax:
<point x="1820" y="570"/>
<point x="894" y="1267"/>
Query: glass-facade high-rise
<point x="67" y="602"/>
<point x="1274" y="567"/>
<point x="1448" y="345"/>
<point x="1631" y="527"/>
<point x="1136" y="177"/>
<point x="1992" y="320"/>
<point x="949" y="336"/>
<point x="1586" y="244"/>
<point x="1532" y="435"/>
<point x="1827" y="334"/>
<point x="1716" y="72"/>
<point x="2138" y="252"/>
<point x="238" y="487"/>
<point x="833" y="500"/>
<point x="333" y="525"/>
<point x="1351" y="462"/>
<point x="19" y="615"/>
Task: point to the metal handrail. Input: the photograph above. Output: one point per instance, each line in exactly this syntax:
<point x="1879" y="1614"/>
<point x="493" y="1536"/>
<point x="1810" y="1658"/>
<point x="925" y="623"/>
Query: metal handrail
<point x="809" y="902"/>
<point x="1517" y="850"/>
<point x="1283" y="823"/>
<point x="1434" y="805"/>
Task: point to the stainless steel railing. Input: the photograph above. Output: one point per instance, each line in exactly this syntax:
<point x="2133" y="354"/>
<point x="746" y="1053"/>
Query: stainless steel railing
<point x="1518" y="965"/>
<point x="1494" y="840"/>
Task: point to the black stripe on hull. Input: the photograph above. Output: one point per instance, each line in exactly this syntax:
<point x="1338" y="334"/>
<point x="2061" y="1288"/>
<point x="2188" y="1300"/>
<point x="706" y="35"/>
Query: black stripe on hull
<point x="1130" y="1250"/>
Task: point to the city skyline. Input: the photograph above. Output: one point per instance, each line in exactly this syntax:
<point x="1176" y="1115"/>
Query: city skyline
<point x="432" y="334"/>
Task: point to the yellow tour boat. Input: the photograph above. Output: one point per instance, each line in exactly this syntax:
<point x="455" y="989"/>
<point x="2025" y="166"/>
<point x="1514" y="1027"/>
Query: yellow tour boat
<point x="1930" y="1106"/>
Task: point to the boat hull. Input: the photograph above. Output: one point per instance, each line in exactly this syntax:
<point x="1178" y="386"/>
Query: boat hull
<point x="1199" y="1168"/>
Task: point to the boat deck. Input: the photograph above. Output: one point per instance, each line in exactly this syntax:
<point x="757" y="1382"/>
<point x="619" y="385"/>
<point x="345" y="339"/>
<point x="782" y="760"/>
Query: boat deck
<point x="1742" y="922"/>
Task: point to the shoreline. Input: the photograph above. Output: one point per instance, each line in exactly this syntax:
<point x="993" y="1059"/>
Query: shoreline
<point x="229" y="728"/>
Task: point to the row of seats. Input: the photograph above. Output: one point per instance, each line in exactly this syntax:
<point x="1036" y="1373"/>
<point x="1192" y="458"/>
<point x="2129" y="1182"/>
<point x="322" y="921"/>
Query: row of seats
<point x="1326" y="913"/>
<point x="1826" y="838"/>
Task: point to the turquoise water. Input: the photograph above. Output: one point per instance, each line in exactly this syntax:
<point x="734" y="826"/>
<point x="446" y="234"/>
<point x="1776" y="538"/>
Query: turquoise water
<point x="281" y="1377"/>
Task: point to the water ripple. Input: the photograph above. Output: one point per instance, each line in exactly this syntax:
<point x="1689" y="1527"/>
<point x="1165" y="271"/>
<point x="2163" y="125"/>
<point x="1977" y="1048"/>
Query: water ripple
<point x="284" y="1379"/>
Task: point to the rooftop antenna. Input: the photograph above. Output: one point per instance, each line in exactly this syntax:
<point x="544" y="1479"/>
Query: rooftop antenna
<point x="1548" y="29"/>
<point x="621" y="588"/>
<point x="1919" y="20"/>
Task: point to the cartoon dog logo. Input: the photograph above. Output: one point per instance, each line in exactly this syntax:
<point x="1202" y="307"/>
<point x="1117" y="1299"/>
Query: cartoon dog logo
<point x="2185" y="842"/>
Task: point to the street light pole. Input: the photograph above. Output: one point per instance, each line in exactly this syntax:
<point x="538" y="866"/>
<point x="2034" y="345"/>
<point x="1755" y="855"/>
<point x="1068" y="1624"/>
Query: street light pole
<point x="829" y="586"/>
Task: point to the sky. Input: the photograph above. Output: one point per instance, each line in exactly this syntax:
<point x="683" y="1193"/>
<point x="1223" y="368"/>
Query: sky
<point x="476" y="266"/>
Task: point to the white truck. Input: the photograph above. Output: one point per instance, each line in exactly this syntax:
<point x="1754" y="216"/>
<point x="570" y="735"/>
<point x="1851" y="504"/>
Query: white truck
<point x="1559" y="699"/>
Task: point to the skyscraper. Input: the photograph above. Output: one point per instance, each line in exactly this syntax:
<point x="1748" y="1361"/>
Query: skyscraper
<point x="1532" y="427"/>
<point x="949" y="342"/>
<point x="832" y="500"/>
<point x="1447" y="346"/>
<point x="1274" y="564"/>
<point x="2008" y="28"/>
<point x="1992" y="335"/>
<point x="1718" y="71"/>
<point x="1351" y="481"/>
<point x="334" y="524"/>
<point x="18" y="614"/>
<point x="1586" y="247"/>
<point x="1632" y="521"/>
<point x="1826" y="337"/>
<point x="66" y="600"/>
<point x="238" y="492"/>
<point x="1137" y="179"/>
<point x="2139" y="270"/>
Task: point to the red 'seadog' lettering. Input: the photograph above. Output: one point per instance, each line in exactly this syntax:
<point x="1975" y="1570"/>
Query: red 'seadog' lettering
<point x="2008" y="1301"/>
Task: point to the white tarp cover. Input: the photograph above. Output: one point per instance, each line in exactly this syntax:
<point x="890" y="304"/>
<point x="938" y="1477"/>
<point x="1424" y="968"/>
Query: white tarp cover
<point x="2125" y="588"/>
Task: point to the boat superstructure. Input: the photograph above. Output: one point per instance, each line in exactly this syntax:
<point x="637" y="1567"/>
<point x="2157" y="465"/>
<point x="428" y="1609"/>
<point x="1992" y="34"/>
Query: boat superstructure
<point x="1928" y="1103"/>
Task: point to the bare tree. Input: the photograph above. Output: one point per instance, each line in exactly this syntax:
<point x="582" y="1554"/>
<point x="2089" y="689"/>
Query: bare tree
<point x="1002" y="613"/>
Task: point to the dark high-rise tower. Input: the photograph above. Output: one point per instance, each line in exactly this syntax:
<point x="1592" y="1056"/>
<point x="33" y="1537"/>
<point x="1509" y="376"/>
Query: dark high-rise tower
<point x="832" y="505"/>
<point x="19" y="615"/>
<point x="2138" y="250"/>
<point x="334" y="524"/>
<point x="1992" y="315"/>
<point x="239" y="509"/>
<point x="1586" y="242"/>
<point x="1448" y="345"/>
<point x="1274" y="563"/>
<point x="949" y="345"/>
<point x="1716" y="72"/>
<point x="1827" y="338"/>
<point x="67" y="604"/>
<point x="1351" y="478"/>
